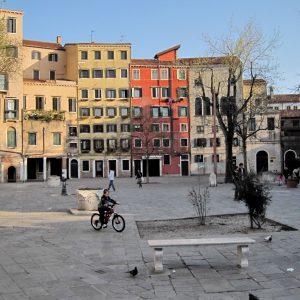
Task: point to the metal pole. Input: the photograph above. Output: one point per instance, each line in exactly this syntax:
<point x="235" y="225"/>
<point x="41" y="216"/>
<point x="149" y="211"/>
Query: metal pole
<point x="215" y="138"/>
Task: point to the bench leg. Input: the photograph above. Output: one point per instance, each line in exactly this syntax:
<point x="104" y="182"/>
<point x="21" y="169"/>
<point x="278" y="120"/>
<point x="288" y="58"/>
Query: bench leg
<point x="243" y="252"/>
<point x="158" y="259"/>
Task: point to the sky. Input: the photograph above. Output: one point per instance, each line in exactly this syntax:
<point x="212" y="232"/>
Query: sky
<point x="153" y="26"/>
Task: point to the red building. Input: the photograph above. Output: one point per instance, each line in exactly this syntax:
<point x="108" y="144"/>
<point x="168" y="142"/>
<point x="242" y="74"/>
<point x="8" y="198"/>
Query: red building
<point x="160" y="122"/>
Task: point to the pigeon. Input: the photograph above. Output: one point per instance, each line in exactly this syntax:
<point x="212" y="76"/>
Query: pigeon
<point x="268" y="238"/>
<point x="252" y="297"/>
<point x="133" y="272"/>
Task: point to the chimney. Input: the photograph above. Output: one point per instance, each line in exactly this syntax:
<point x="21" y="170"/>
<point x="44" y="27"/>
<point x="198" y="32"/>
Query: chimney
<point x="58" y="39"/>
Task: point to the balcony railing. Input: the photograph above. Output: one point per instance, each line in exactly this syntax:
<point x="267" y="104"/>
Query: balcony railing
<point x="42" y="115"/>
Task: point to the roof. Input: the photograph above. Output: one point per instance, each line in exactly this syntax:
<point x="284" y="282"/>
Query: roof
<point x="285" y="98"/>
<point x="97" y="44"/>
<point x="166" y="51"/>
<point x="38" y="44"/>
<point x="290" y="113"/>
<point x="257" y="81"/>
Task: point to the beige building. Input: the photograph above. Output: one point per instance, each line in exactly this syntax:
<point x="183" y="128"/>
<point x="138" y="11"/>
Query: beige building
<point x="102" y="74"/>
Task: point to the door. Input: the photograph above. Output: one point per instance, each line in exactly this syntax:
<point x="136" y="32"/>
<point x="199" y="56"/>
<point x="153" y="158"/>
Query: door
<point x="99" y="168"/>
<point x="137" y="166"/>
<point x="184" y="168"/>
<point x="74" y="168"/>
<point x="262" y="161"/>
<point x="154" y="167"/>
<point x="289" y="160"/>
<point x="112" y="165"/>
<point x="11" y="174"/>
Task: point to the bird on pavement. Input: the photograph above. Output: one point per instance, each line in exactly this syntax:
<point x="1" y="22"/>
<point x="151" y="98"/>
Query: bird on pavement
<point x="252" y="297"/>
<point x="268" y="238"/>
<point x="133" y="272"/>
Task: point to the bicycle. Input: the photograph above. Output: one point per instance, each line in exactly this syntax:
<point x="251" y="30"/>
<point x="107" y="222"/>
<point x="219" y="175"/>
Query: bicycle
<point x="117" y="221"/>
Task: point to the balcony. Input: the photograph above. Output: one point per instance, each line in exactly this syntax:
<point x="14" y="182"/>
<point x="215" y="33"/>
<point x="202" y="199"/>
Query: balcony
<point x="46" y="116"/>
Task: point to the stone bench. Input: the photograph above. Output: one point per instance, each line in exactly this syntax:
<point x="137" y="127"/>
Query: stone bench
<point x="241" y="242"/>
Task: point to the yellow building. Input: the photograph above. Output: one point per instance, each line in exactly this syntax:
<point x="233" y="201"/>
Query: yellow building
<point x="11" y="94"/>
<point x="102" y="74"/>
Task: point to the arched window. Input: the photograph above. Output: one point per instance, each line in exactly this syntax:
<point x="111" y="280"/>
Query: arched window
<point x="198" y="106"/>
<point x="207" y="110"/>
<point x="11" y="137"/>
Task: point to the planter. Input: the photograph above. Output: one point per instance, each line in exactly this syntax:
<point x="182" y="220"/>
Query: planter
<point x="87" y="199"/>
<point x="292" y="183"/>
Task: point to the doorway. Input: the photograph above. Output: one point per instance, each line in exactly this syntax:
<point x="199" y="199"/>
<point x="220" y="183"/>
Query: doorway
<point x="11" y="174"/>
<point x="184" y="168"/>
<point x="99" y="168"/>
<point x="112" y="165"/>
<point x="74" y="168"/>
<point x="289" y="160"/>
<point x="262" y="159"/>
<point x="154" y="167"/>
<point x="137" y="166"/>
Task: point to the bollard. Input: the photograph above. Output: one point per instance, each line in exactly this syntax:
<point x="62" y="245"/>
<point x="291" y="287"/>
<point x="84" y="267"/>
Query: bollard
<point x="64" y="186"/>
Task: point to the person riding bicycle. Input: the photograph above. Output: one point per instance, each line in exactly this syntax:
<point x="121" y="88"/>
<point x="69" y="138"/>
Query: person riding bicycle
<point x="105" y="206"/>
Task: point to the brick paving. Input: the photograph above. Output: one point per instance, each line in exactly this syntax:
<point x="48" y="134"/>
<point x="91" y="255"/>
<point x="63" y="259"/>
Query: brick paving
<point x="48" y="253"/>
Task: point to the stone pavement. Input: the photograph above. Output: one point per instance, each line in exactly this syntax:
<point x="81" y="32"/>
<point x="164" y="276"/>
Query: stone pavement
<point x="48" y="253"/>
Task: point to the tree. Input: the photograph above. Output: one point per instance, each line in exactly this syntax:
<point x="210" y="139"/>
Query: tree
<point x="242" y="53"/>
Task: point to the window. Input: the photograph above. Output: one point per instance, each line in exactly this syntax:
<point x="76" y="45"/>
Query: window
<point x="3" y="82"/>
<point x="11" y="25"/>
<point x="137" y="143"/>
<point x="97" y="93"/>
<point x="276" y="108"/>
<point x="125" y="127"/>
<point x="52" y="57"/>
<point x="85" y="165"/>
<point x="12" y="51"/>
<point x="124" y="144"/>
<point x="72" y="131"/>
<point x="136" y="112"/>
<point x="111" y="128"/>
<point x="98" y="128"/>
<point x="295" y="107"/>
<point x="183" y="142"/>
<point x="182" y="111"/>
<point x="125" y="165"/>
<point x="236" y="142"/>
<point x="165" y="127"/>
<point x="73" y="145"/>
<point x="36" y="74"/>
<point x="155" y="127"/>
<point x="154" y="74"/>
<point x="200" y="129"/>
<point x="156" y="143"/>
<point x="271" y="123"/>
<point x="85" y="146"/>
<point x="111" y="111"/>
<point x="84" y="73"/>
<point x="56" y="103"/>
<point x="111" y="93"/>
<point x="206" y="104"/>
<point x="98" y="145"/>
<point x="211" y="142"/>
<point x="85" y="128"/>
<point x="166" y="143"/>
<point x="39" y="103"/>
<point x="84" y="112"/>
<point x="288" y="107"/>
<point x="11" y="137"/>
<point x="199" y="158"/>
<point x="164" y="111"/>
<point x="252" y="124"/>
<point x="84" y="94"/>
<point x="136" y="74"/>
<point x="164" y="74"/>
<point x="124" y="112"/>
<point x="111" y="145"/>
<point x="167" y="160"/>
<point x="165" y="92"/>
<point x="213" y="128"/>
<point x="182" y="92"/>
<point x="110" y="54"/>
<point x="11" y="108"/>
<point x="137" y="93"/>
<point x="124" y="73"/>
<point x="72" y="104"/>
<point x="97" y="73"/>
<point x="97" y="55"/>
<point x="183" y="127"/>
<point x="155" y="92"/>
<point x="98" y="112"/>
<point x="217" y="158"/>
<point x="137" y="128"/>
<point x="84" y="55"/>
<point x="110" y="73"/>
<point x="123" y="54"/>
<point x="124" y="93"/>
<point x="155" y="111"/>
<point x="181" y="74"/>
<point x="56" y="138"/>
<point x="52" y="75"/>
<point x="200" y="142"/>
<point x="31" y="138"/>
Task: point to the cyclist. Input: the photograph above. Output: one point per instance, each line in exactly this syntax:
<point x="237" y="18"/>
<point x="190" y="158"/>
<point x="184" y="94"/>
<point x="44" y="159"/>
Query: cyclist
<point x="105" y="206"/>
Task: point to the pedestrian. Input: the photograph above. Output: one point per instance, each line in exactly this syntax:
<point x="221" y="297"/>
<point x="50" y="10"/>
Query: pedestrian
<point x="236" y="182"/>
<point x="139" y="177"/>
<point x="279" y="179"/>
<point x="285" y="174"/>
<point x="241" y="171"/>
<point x="111" y="178"/>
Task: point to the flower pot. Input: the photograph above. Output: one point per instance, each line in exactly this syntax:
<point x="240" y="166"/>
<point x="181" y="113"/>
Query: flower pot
<point x="292" y="183"/>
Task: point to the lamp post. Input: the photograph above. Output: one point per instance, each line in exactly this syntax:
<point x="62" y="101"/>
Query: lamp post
<point x="215" y="135"/>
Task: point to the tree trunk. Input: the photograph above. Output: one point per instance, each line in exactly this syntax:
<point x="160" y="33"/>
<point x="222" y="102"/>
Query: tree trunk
<point x="147" y="174"/>
<point x="244" y="146"/>
<point x="229" y="166"/>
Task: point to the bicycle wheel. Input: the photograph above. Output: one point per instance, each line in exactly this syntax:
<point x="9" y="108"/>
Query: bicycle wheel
<point x="118" y="223"/>
<point x="95" y="221"/>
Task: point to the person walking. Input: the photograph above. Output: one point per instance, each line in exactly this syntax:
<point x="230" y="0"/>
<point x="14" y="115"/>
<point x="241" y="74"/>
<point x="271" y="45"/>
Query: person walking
<point x="111" y="178"/>
<point x="139" y="177"/>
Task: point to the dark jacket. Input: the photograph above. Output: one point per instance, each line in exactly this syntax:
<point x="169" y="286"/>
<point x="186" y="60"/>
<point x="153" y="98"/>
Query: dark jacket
<point x="106" y="201"/>
<point x="139" y="174"/>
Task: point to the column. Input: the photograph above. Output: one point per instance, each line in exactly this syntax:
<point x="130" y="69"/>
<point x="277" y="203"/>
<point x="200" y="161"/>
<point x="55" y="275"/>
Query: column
<point x="44" y="168"/>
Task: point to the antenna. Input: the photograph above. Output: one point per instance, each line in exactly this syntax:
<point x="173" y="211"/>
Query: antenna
<point x="92" y="31"/>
